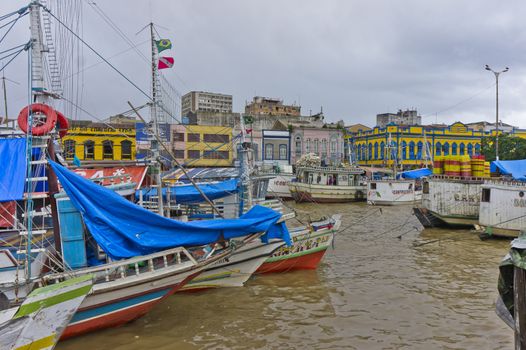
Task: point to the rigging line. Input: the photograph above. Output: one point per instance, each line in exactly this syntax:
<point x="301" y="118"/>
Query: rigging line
<point x="99" y="55"/>
<point x="19" y="11"/>
<point x="13" y="22"/>
<point x="12" y="58"/>
<point x="11" y="54"/>
<point x="13" y="48"/>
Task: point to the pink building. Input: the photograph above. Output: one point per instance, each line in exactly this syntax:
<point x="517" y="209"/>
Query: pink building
<point x="326" y="142"/>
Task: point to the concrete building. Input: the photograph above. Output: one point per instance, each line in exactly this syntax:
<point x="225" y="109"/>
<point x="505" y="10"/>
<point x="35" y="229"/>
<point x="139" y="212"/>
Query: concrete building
<point x="489" y="127"/>
<point x="407" y="117"/>
<point x="205" y="101"/>
<point x="99" y="141"/>
<point x="326" y="142"/>
<point x="271" y="106"/>
<point x="202" y="145"/>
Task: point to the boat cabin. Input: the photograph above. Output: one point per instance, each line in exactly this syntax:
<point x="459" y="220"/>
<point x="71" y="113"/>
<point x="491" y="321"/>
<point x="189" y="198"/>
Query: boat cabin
<point x="330" y="176"/>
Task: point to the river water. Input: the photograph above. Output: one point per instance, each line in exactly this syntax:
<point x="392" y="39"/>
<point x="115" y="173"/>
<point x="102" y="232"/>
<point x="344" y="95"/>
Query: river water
<point x="387" y="284"/>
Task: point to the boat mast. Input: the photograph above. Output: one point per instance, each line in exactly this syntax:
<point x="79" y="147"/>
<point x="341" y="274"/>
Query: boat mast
<point x="245" y="169"/>
<point x="155" y="161"/>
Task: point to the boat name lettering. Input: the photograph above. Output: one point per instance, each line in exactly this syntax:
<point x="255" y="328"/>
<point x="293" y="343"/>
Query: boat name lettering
<point x="402" y="191"/>
<point x="301" y="244"/>
<point x="466" y="198"/>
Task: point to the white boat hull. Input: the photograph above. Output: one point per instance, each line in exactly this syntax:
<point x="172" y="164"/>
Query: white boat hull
<point x="393" y="192"/>
<point x="316" y="193"/>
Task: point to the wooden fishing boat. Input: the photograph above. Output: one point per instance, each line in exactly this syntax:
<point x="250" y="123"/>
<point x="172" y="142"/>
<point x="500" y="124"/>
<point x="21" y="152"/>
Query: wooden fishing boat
<point x="394" y="191"/>
<point x="309" y="246"/>
<point x="328" y="185"/>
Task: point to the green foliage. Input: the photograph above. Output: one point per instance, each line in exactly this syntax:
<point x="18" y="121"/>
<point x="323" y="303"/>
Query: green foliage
<point x="291" y="128"/>
<point x="510" y="147"/>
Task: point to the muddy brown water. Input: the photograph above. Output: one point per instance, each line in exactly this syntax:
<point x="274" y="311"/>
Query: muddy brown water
<point x="387" y="284"/>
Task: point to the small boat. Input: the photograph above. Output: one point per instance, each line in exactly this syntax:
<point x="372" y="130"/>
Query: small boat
<point x="278" y="186"/>
<point x="39" y="322"/>
<point x="405" y="189"/>
<point x="319" y="184"/>
<point x="308" y="248"/>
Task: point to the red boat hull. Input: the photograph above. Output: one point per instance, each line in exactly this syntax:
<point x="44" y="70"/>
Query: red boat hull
<point x="304" y="262"/>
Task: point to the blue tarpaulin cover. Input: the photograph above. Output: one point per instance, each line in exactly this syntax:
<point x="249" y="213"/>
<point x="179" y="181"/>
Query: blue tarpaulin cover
<point x="188" y="194"/>
<point x="13" y="166"/>
<point x="125" y="230"/>
<point x="415" y="174"/>
<point x="515" y="168"/>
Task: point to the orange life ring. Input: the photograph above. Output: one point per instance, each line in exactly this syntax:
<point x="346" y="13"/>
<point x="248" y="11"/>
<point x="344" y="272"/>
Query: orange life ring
<point x="63" y="124"/>
<point x="40" y="127"/>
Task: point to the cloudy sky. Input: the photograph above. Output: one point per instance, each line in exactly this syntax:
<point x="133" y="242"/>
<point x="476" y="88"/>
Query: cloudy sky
<point x="354" y="58"/>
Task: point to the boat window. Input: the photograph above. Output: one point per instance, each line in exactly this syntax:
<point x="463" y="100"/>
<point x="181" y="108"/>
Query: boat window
<point x="425" y="188"/>
<point x="485" y="195"/>
<point x="373" y="185"/>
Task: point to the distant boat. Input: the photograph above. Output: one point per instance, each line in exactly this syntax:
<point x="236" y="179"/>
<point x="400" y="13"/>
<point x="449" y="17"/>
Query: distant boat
<point x="406" y="189"/>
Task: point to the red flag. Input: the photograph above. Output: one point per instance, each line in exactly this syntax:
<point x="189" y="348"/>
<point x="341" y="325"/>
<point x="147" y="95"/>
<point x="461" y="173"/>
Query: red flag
<point x="165" y="62"/>
<point x="248" y="131"/>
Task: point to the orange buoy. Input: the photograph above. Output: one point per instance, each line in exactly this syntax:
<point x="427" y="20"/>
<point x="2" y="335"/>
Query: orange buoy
<point x="40" y="126"/>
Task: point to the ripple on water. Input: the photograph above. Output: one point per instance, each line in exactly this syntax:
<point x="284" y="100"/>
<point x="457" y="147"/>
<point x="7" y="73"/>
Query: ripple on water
<point x="373" y="291"/>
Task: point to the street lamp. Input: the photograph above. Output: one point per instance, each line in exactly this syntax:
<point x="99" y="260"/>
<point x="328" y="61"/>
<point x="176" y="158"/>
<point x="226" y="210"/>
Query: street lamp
<point x="497" y="108"/>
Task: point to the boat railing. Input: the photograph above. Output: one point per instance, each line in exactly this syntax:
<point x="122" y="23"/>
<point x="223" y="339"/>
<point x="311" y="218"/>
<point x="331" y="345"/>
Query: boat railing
<point x="330" y="169"/>
<point x="130" y="267"/>
<point x="505" y="182"/>
<point x="468" y="179"/>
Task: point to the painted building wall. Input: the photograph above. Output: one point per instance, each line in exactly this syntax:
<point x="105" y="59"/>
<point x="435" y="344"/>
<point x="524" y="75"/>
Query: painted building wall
<point x="100" y="143"/>
<point x="408" y="143"/>
<point x="276" y="147"/>
<point x="202" y="145"/>
<point x="327" y="143"/>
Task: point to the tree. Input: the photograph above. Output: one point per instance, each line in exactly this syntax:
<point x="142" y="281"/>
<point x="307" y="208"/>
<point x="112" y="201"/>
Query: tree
<point x="510" y="147"/>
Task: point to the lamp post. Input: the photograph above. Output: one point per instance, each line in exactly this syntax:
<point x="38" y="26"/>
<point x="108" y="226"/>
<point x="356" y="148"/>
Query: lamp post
<point x="497" y="108"/>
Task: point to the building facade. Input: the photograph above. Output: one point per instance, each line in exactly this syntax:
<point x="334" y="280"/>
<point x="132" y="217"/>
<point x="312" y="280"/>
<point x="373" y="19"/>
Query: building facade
<point x="202" y="145"/>
<point x="99" y="142"/>
<point x="407" y="117"/>
<point x="205" y="101"/>
<point x="276" y="147"/>
<point x="408" y="144"/>
<point x="271" y="106"/>
<point x="327" y="143"/>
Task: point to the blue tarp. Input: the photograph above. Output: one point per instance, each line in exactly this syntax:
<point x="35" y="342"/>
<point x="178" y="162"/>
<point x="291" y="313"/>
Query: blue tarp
<point x="415" y="174"/>
<point x="13" y="166"/>
<point x="125" y="230"/>
<point x="188" y="194"/>
<point x="515" y="168"/>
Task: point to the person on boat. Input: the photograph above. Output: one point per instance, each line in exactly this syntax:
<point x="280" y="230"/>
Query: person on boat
<point x="318" y="179"/>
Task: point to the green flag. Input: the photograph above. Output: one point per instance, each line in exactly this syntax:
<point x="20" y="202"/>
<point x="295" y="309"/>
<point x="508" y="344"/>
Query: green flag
<point x="163" y="44"/>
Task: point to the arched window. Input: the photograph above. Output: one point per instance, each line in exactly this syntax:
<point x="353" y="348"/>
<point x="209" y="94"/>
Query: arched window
<point x="283" y="152"/>
<point x="394" y="150"/>
<point x="404" y="150"/>
<point x="316" y="146"/>
<point x="126" y="149"/>
<point x="107" y="149"/>
<point x="69" y="149"/>
<point x="324" y="146"/>
<point x="462" y="149"/>
<point x="477" y="149"/>
<point x="454" y="148"/>
<point x="370" y="154"/>
<point x="307" y="146"/>
<point x="419" y="147"/>
<point x="269" y="151"/>
<point x="89" y="150"/>
<point x="382" y="150"/>
<point x="298" y="146"/>
<point x="446" y="149"/>
<point x="412" y="150"/>
<point x="376" y="150"/>
<point x="470" y="149"/>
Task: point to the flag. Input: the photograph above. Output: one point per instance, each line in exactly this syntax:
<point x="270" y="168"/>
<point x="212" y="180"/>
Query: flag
<point x="163" y="44"/>
<point x="165" y="62"/>
<point x="248" y="131"/>
<point x="76" y="160"/>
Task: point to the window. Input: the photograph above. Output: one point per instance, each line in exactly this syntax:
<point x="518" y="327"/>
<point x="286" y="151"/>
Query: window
<point x="215" y="154"/>
<point x="178" y="153"/>
<point x="307" y="146"/>
<point x="107" y="149"/>
<point x="283" y="152"/>
<point x="193" y="137"/>
<point x="462" y="149"/>
<point x="477" y="148"/>
<point x="438" y="149"/>
<point x="404" y="150"/>
<point x="373" y="185"/>
<point x="425" y="188"/>
<point x="316" y="146"/>
<point x="382" y="150"/>
<point x="486" y="192"/>
<point x="454" y="149"/>
<point x="333" y="146"/>
<point x="324" y="146"/>
<point x="216" y="138"/>
<point x="446" y="149"/>
<point x="376" y="150"/>
<point x="89" y="150"/>
<point x="69" y="149"/>
<point x="470" y="149"/>
<point x="412" y="150"/>
<point x="370" y="149"/>
<point x="194" y="154"/>
<point x="178" y="136"/>
<point x="269" y="151"/>
<point x="298" y="146"/>
<point x="419" y="147"/>
<point x="126" y="149"/>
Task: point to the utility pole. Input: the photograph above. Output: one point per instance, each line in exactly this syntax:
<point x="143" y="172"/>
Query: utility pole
<point x="497" y="107"/>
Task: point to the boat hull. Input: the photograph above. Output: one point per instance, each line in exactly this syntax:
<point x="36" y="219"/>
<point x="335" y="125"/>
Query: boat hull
<point x="393" y="192"/>
<point x="429" y="218"/>
<point x="278" y="186"/>
<point x="236" y="270"/>
<point x="302" y="192"/>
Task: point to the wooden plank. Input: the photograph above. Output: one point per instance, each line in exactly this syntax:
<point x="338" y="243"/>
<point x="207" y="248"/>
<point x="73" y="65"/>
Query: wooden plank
<point x="519" y="296"/>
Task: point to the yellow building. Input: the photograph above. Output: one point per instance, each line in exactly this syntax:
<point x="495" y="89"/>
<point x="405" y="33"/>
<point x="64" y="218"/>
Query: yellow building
<point x="99" y="142"/>
<point x="370" y="147"/>
<point x="202" y="145"/>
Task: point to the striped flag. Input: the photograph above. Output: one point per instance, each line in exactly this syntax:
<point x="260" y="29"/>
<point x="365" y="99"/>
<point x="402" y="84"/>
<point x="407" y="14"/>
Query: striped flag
<point x="165" y="62"/>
